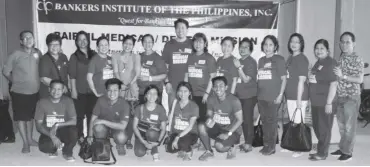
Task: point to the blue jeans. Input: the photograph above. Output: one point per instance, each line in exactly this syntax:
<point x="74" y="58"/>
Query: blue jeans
<point x="347" y="112"/>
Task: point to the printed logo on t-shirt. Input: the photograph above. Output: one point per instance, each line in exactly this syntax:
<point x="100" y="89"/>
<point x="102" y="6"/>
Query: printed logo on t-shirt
<point x="267" y="65"/>
<point x="107" y="73"/>
<point x="53" y="119"/>
<point x="195" y="72"/>
<point x="179" y="58"/>
<point x="149" y="62"/>
<point x="153" y="117"/>
<point x="264" y="74"/>
<point x="117" y="113"/>
<point x="144" y="72"/>
<point x="221" y="118"/>
<point x="219" y="72"/>
<point x="180" y="124"/>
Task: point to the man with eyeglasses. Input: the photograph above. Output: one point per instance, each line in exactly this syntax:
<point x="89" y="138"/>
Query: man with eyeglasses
<point x="350" y="73"/>
<point x="21" y="69"/>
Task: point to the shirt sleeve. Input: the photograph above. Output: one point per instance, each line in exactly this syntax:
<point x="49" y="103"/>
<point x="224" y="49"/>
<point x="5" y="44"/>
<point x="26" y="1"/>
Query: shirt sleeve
<point x="40" y="112"/>
<point x="281" y="67"/>
<point x="72" y="67"/>
<point x="125" y="112"/>
<point x="8" y="67"/>
<point x="236" y="105"/>
<point x="97" y="109"/>
<point x="251" y="69"/>
<point x="302" y="66"/>
<point x="358" y="65"/>
<point x="195" y="111"/>
<point x="92" y="64"/>
<point x="233" y="70"/>
<point x="166" y="54"/>
<point x="162" y="114"/>
<point x="161" y="66"/>
<point x="137" y="113"/>
<point x="71" y="110"/>
<point x="211" y="64"/>
<point x="44" y="67"/>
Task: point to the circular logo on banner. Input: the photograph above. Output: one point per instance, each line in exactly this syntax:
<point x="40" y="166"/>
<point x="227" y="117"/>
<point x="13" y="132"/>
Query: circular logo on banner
<point x="45" y="6"/>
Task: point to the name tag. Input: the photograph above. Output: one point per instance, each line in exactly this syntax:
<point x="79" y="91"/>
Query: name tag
<point x="239" y="80"/>
<point x="180" y="59"/>
<point x="202" y="62"/>
<point x="312" y="79"/>
<point x="223" y="120"/>
<point x="149" y="63"/>
<point x="320" y="67"/>
<point x="107" y="74"/>
<point x="187" y="50"/>
<point x="154" y="117"/>
<point x="267" y="65"/>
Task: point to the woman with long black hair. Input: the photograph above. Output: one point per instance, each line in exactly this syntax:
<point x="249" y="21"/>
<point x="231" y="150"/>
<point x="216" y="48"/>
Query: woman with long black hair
<point x="83" y="98"/>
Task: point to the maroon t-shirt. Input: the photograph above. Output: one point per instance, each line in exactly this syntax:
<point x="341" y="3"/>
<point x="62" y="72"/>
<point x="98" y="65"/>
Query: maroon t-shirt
<point x="224" y="111"/>
<point x="176" y="54"/>
<point x="119" y="111"/>
<point x="181" y="117"/>
<point x="297" y="66"/>
<point x="102" y="70"/>
<point x="323" y="72"/>
<point x="199" y="70"/>
<point x="226" y="67"/>
<point x="151" y="65"/>
<point x="269" y="74"/>
<point x="154" y="118"/>
<point x="247" y="90"/>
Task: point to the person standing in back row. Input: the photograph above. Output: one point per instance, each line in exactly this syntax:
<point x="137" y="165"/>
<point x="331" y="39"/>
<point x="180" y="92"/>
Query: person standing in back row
<point x="271" y="86"/>
<point x="296" y="91"/>
<point x="21" y="69"/>
<point x="350" y="73"/>
<point x="175" y="54"/>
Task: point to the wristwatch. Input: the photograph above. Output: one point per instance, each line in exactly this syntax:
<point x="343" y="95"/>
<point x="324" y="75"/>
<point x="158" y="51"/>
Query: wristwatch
<point x="230" y="133"/>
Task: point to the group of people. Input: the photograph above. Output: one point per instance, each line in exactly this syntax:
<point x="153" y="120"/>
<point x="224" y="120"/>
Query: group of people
<point x="120" y="95"/>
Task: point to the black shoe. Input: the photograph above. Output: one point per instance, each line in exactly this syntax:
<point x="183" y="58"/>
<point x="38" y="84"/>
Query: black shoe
<point x="246" y="148"/>
<point x="9" y="140"/>
<point x="269" y="152"/>
<point x="315" y="157"/>
<point x="129" y="146"/>
<point x="264" y="149"/>
<point x="336" y="153"/>
<point x="345" y="158"/>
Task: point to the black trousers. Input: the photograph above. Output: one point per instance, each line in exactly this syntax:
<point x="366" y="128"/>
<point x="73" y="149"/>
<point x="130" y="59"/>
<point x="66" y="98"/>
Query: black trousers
<point x="184" y="143"/>
<point x="268" y="111"/>
<point x="6" y="123"/>
<point x="84" y="105"/>
<point x="67" y="135"/>
<point x="322" y="124"/>
<point x="202" y="108"/>
<point x="248" y="110"/>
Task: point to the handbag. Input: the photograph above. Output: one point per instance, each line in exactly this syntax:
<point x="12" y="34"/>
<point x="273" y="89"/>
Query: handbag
<point x="85" y="150"/>
<point x="101" y="152"/>
<point x="296" y="137"/>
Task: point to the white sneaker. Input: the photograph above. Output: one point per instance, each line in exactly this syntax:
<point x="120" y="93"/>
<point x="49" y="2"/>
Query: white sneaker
<point x="297" y="154"/>
<point x="156" y="157"/>
<point x="285" y="151"/>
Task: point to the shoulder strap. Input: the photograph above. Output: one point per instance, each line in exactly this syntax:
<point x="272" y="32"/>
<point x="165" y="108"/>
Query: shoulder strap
<point x="102" y="163"/>
<point x="56" y="67"/>
<point x="171" y="115"/>
<point x="141" y="112"/>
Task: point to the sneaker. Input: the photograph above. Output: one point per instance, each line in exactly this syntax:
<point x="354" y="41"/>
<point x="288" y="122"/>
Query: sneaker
<point x="53" y="155"/>
<point x="180" y="154"/>
<point x="206" y="155"/>
<point x="156" y="157"/>
<point x="315" y="157"/>
<point x="129" y="146"/>
<point x="345" y="158"/>
<point x="231" y="153"/>
<point x="297" y="154"/>
<point x="285" y="151"/>
<point x="187" y="156"/>
<point x="69" y="158"/>
<point x="336" y="153"/>
<point x="246" y="148"/>
<point x="121" y="150"/>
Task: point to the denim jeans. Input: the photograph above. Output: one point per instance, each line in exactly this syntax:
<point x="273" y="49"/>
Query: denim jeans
<point x="347" y="112"/>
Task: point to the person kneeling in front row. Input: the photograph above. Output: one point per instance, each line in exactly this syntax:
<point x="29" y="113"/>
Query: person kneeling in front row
<point x="56" y="121"/>
<point x="183" y="132"/>
<point x="224" y="121"/>
<point x="110" y="116"/>
<point x="149" y="124"/>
